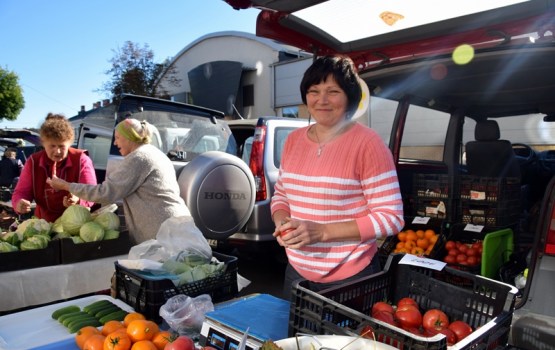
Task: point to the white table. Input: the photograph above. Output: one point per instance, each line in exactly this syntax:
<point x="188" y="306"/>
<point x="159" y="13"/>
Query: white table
<point x="43" y="285"/>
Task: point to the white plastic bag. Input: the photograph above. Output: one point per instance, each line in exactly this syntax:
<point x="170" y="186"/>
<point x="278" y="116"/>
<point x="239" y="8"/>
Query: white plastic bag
<point x="184" y="314"/>
<point x="180" y="235"/>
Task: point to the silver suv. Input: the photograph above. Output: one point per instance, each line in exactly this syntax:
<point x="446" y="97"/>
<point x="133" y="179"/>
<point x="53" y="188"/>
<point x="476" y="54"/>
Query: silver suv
<point x="259" y="144"/>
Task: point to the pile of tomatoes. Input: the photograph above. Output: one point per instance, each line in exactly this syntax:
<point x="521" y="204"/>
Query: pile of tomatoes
<point x="417" y="242"/>
<point x="468" y="254"/>
<point x="407" y="315"/>
<point x="135" y="332"/>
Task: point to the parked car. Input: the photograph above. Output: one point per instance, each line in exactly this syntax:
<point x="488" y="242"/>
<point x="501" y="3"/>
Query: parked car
<point x="259" y="144"/>
<point x="212" y="179"/>
<point x="465" y="98"/>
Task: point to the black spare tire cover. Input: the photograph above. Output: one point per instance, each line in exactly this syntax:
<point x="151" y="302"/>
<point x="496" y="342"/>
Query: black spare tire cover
<point x="219" y="190"/>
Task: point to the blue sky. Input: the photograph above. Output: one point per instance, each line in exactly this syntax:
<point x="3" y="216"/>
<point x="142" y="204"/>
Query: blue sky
<point x="60" y="48"/>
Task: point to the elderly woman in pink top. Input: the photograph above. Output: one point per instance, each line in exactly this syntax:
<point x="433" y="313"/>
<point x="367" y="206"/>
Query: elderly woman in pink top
<point x="337" y="190"/>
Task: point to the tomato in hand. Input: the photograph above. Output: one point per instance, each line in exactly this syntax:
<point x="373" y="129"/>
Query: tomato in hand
<point x="408" y="316"/>
<point x="461" y="329"/>
<point x="382" y="306"/>
<point x="435" y="319"/>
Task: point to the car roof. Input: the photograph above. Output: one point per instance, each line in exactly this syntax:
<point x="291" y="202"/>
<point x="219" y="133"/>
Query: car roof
<point x="10" y="135"/>
<point x="513" y="50"/>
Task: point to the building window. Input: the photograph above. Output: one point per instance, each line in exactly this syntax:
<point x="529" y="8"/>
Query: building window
<point x="248" y="95"/>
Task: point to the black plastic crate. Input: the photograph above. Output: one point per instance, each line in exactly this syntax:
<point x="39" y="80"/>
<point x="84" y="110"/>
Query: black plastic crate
<point x="490" y="214"/>
<point x="148" y="295"/>
<point x="489" y="189"/>
<point x="389" y="243"/>
<point x="432" y="208"/>
<point x="29" y="259"/>
<point x="487" y="306"/>
<point x="72" y="252"/>
<point x="431" y="186"/>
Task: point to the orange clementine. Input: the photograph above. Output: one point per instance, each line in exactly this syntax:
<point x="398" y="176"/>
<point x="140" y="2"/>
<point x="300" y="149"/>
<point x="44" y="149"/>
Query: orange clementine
<point x="111" y="326"/>
<point x="94" y="342"/>
<point x="411" y="236"/>
<point x="429" y="233"/>
<point x="422" y="243"/>
<point x="420" y="233"/>
<point x="433" y="239"/>
<point x="417" y="251"/>
<point x="83" y="334"/>
<point x="402" y="236"/>
<point x="400" y="245"/>
<point x="410" y="244"/>
<point x="144" y="345"/>
<point x="131" y="317"/>
<point x="162" y="338"/>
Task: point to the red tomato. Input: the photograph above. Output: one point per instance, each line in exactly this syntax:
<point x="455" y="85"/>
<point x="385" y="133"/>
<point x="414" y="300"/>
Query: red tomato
<point x="386" y="317"/>
<point x="367" y="332"/>
<point x="413" y="330"/>
<point x="181" y="343"/>
<point x="472" y="260"/>
<point x="471" y="252"/>
<point x="450" y="245"/>
<point x="461" y="329"/>
<point x="408" y="316"/>
<point x="435" y="319"/>
<point x="407" y="301"/>
<point x="382" y="306"/>
<point x="461" y="258"/>
<point x="477" y="245"/>
<point x="453" y="252"/>
<point x="450" y="335"/>
<point x="463" y="248"/>
<point x="450" y="259"/>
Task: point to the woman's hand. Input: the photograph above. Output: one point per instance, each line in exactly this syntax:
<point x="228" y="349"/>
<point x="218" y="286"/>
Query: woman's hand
<point x="57" y="183"/>
<point x="70" y="200"/>
<point x="295" y="234"/>
<point x="23" y="206"/>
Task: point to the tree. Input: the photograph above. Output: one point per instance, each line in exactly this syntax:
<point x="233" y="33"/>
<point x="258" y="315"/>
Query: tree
<point x="134" y="71"/>
<point x="11" y="95"/>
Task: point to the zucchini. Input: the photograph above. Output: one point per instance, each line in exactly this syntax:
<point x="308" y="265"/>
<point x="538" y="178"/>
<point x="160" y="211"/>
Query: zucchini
<point x="75" y="327"/>
<point x="62" y="318"/>
<point x="107" y="311"/>
<point x="65" y="310"/>
<point x="118" y="316"/>
<point x="67" y="320"/>
<point x="96" y="305"/>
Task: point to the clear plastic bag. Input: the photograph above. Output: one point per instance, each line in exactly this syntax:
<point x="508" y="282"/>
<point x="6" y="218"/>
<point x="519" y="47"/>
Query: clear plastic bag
<point x="185" y="314"/>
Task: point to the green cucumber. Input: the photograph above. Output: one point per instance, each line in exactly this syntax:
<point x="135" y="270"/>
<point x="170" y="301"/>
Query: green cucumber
<point x="97" y="309"/>
<point x="67" y="320"/>
<point x="80" y="320"/>
<point x="75" y="327"/>
<point x="96" y="305"/>
<point x="65" y="310"/>
<point x="107" y="311"/>
<point x="118" y="316"/>
<point x="63" y="317"/>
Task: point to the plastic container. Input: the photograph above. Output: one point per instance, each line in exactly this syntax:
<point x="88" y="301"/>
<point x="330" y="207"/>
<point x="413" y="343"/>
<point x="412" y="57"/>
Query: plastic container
<point x="72" y="253"/>
<point x="433" y="196"/>
<point x="488" y="307"/>
<point x="147" y="295"/>
<point x="497" y="247"/>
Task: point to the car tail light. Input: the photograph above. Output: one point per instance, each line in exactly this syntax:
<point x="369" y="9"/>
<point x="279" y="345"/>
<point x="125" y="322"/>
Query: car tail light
<point x="550" y="241"/>
<point x="257" y="162"/>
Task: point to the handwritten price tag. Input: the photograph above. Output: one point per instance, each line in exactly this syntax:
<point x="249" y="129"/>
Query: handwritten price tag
<point x="410" y="259"/>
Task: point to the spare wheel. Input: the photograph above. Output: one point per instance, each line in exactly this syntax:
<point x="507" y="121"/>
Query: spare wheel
<point x="219" y="190"/>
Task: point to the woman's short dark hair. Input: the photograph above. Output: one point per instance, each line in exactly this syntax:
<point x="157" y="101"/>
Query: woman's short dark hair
<point x="343" y="71"/>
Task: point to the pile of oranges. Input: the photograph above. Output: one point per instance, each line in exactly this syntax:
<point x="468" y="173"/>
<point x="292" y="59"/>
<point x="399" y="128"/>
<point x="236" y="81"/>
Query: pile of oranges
<point x="135" y="332"/>
<point x="416" y="242"/>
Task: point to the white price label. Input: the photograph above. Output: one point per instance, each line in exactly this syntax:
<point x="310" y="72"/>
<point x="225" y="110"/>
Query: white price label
<point x="410" y="259"/>
<point x="421" y="220"/>
<point x="474" y="228"/>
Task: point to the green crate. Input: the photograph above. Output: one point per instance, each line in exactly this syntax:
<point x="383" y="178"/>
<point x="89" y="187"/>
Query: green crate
<point x="497" y="248"/>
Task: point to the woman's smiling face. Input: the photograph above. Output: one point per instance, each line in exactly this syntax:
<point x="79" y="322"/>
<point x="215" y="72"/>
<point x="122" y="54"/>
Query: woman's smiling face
<point x="327" y="102"/>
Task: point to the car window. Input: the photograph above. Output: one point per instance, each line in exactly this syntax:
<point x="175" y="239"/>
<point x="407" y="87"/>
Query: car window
<point x="98" y="147"/>
<point x="247" y="147"/>
<point x="279" y="142"/>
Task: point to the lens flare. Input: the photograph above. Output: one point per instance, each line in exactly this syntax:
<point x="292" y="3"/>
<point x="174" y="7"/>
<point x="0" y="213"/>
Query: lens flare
<point x="463" y="54"/>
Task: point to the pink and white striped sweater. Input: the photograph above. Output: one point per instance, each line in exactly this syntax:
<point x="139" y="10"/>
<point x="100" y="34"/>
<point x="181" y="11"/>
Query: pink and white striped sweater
<point x="353" y="179"/>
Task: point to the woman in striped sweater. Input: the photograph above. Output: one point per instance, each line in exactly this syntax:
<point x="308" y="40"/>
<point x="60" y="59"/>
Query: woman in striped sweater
<point x="337" y="190"/>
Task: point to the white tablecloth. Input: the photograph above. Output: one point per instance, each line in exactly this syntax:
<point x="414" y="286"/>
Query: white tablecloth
<point x="43" y="285"/>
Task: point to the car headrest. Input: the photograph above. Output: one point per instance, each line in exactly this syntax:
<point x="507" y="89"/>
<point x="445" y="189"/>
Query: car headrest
<point x="487" y="130"/>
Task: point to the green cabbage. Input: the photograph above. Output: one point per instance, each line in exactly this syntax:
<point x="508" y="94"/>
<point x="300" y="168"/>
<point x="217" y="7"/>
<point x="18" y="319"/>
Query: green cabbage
<point x="61" y="235"/>
<point x="91" y="232"/>
<point x="108" y="220"/>
<point x="34" y="242"/>
<point x="74" y="217"/>
<point x="11" y="237"/>
<point x="111" y="234"/>
<point x="77" y="240"/>
<point x="5" y="247"/>
<point x="33" y="226"/>
<point x="57" y="226"/>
